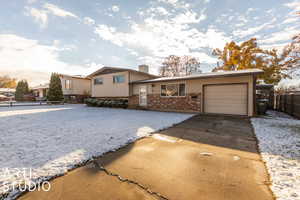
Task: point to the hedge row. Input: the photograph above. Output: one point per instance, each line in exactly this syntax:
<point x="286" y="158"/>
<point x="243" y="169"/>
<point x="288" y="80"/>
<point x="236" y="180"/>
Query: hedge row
<point x="120" y="103"/>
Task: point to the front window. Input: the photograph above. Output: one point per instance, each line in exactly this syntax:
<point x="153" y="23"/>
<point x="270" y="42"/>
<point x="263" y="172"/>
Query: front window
<point x="172" y="90"/>
<point x="98" y="81"/>
<point x="119" y="79"/>
<point x="68" y="84"/>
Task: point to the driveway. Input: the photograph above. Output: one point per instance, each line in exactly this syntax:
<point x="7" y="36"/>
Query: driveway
<point x="205" y="157"/>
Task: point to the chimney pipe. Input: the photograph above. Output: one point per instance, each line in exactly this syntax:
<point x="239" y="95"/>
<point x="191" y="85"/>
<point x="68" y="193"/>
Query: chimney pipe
<point x="144" y="68"/>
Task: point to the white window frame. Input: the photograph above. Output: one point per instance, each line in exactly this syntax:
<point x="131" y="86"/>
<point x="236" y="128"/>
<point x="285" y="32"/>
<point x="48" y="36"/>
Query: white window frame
<point x="185" y="90"/>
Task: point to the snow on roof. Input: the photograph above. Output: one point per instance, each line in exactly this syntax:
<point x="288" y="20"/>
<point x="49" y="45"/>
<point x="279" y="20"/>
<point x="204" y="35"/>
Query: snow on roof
<point x="205" y="75"/>
<point x="74" y="76"/>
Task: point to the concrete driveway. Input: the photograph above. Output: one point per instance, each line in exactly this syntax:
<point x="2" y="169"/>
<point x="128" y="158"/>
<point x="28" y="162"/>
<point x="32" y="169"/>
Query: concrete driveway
<point x="205" y="157"/>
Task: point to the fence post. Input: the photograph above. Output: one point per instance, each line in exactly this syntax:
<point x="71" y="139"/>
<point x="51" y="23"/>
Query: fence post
<point x="292" y="104"/>
<point x="285" y="103"/>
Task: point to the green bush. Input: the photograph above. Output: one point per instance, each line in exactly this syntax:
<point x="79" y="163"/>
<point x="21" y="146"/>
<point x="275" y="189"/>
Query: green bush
<point x="106" y="103"/>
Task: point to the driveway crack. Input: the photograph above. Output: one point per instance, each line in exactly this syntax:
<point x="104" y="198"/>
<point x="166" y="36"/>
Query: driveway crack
<point x="120" y="178"/>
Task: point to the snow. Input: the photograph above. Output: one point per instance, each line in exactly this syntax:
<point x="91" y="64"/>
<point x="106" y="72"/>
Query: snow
<point x="279" y="143"/>
<point x="53" y="139"/>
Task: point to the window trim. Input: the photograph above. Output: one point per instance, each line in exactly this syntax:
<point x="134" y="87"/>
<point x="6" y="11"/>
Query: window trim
<point x="98" y="83"/>
<point x="119" y="82"/>
<point x="185" y="90"/>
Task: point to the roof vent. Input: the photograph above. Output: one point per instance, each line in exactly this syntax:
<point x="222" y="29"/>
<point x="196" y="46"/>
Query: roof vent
<point x="144" y="68"/>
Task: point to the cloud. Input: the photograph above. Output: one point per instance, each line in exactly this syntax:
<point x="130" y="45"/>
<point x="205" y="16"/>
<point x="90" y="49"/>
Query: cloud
<point x="189" y="17"/>
<point x="88" y="21"/>
<point x="40" y="16"/>
<point x="294" y="5"/>
<point x="281" y="36"/>
<point x="25" y="56"/>
<point x="115" y="8"/>
<point x="253" y="30"/>
<point x="55" y="10"/>
<point x="31" y="1"/>
<point x="157" y="38"/>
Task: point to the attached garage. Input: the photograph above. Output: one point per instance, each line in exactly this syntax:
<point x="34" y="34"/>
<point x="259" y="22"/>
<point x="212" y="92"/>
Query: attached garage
<point x="226" y="99"/>
<point x="230" y="92"/>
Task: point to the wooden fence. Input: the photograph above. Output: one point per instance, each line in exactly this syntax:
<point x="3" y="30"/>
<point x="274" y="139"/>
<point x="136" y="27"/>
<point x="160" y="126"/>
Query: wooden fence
<point x="288" y="103"/>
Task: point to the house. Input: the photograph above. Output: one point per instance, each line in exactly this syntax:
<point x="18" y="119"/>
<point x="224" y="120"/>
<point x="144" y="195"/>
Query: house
<point x="115" y="83"/>
<point x="231" y="92"/>
<point x="40" y="91"/>
<point x="75" y="88"/>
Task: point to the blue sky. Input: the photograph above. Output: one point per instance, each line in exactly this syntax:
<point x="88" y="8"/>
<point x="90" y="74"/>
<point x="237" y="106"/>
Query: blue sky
<point x="79" y="36"/>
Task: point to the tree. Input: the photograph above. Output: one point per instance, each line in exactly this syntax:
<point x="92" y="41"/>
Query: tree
<point x="248" y="55"/>
<point x="55" y="90"/>
<point x="179" y="66"/>
<point x="7" y="82"/>
<point x="21" y="90"/>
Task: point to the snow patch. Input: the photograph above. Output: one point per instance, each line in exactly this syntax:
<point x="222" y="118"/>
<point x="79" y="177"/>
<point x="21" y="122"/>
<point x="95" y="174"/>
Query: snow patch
<point x="279" y="143"/>
<point x="53" y="139"/>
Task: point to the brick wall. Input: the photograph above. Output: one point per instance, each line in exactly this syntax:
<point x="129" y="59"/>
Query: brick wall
<point x="192" y="102"/>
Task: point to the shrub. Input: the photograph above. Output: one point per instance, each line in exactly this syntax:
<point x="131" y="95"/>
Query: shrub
<point x="106" y="103"/>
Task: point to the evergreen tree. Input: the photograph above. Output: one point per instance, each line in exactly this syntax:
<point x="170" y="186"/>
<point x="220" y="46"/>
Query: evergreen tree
<point x="55" y="89"/>
<point x="21" y="90"/>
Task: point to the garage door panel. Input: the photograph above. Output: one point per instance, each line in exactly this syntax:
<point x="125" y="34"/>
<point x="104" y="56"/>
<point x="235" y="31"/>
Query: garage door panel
<point x="226" y="99"/>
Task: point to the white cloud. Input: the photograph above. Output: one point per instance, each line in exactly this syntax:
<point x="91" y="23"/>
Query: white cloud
<point x="160" y="38"/>
<point x="115" y="8"/>
<point x="40" y="16"/>
<point x="27" y="57"/>
<point x="253" y="30"/>
<point x="88" y="21"/>
<point x="55" y="10"/>
<point x="281" y="36"/>
<point x="189" y="17"/>
<point x="294" y="5"/>
<point x="290" y="20"/>
<point x="31" y="1"/>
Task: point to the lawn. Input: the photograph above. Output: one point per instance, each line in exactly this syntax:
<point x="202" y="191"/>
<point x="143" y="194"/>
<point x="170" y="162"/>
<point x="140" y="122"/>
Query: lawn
<point x="53" y="139"/>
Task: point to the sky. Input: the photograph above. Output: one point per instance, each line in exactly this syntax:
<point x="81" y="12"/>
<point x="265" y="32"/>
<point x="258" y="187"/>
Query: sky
<point x="77" y="37"/>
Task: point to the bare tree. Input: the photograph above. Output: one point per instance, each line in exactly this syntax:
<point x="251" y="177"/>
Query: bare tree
<point x="179" y="66"/>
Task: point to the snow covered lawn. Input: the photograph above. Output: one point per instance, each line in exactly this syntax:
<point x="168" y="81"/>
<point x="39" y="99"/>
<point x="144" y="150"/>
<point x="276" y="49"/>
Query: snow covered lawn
<point x="279" y="143"/>
<point x="53" y="139"/>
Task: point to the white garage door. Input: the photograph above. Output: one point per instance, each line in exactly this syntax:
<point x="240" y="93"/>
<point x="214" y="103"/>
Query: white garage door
<point x="226" y="99"/>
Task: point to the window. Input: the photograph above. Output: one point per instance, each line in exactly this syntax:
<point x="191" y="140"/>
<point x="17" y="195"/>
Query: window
<point x="98" y="81"/>
<point x="119" y="79"/>
<point x="172" y="90"/>
<point x="68" y="84"/>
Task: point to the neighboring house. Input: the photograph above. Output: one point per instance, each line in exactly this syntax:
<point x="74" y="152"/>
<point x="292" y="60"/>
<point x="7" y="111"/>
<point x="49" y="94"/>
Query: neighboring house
<point x="40" y="91"/>
<point x="231" y="92"/>
<point x="115" y="83"/>
<point x="75" y="88"/>
<point x="8" y="92"/>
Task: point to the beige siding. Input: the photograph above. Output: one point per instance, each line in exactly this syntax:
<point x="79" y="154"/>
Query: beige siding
<point x="195" y="86"/>
<point x="78" y="86"/>
<point x="109" y="88"/>
<point x="137" y="77"/>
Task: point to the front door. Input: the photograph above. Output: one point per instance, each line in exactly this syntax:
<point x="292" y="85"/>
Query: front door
<point x="143" y="95"/>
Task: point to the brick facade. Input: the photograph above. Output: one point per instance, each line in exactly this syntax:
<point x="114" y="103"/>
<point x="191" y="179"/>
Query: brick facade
<point x="190" y="103"/>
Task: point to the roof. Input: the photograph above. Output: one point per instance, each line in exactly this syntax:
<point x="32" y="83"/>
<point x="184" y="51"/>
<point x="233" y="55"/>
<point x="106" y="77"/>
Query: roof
<point x="205" y="75"/>
<point x="41" y="86"/>
<point x="109" y="70"/>
<point x="75" y="76"/>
